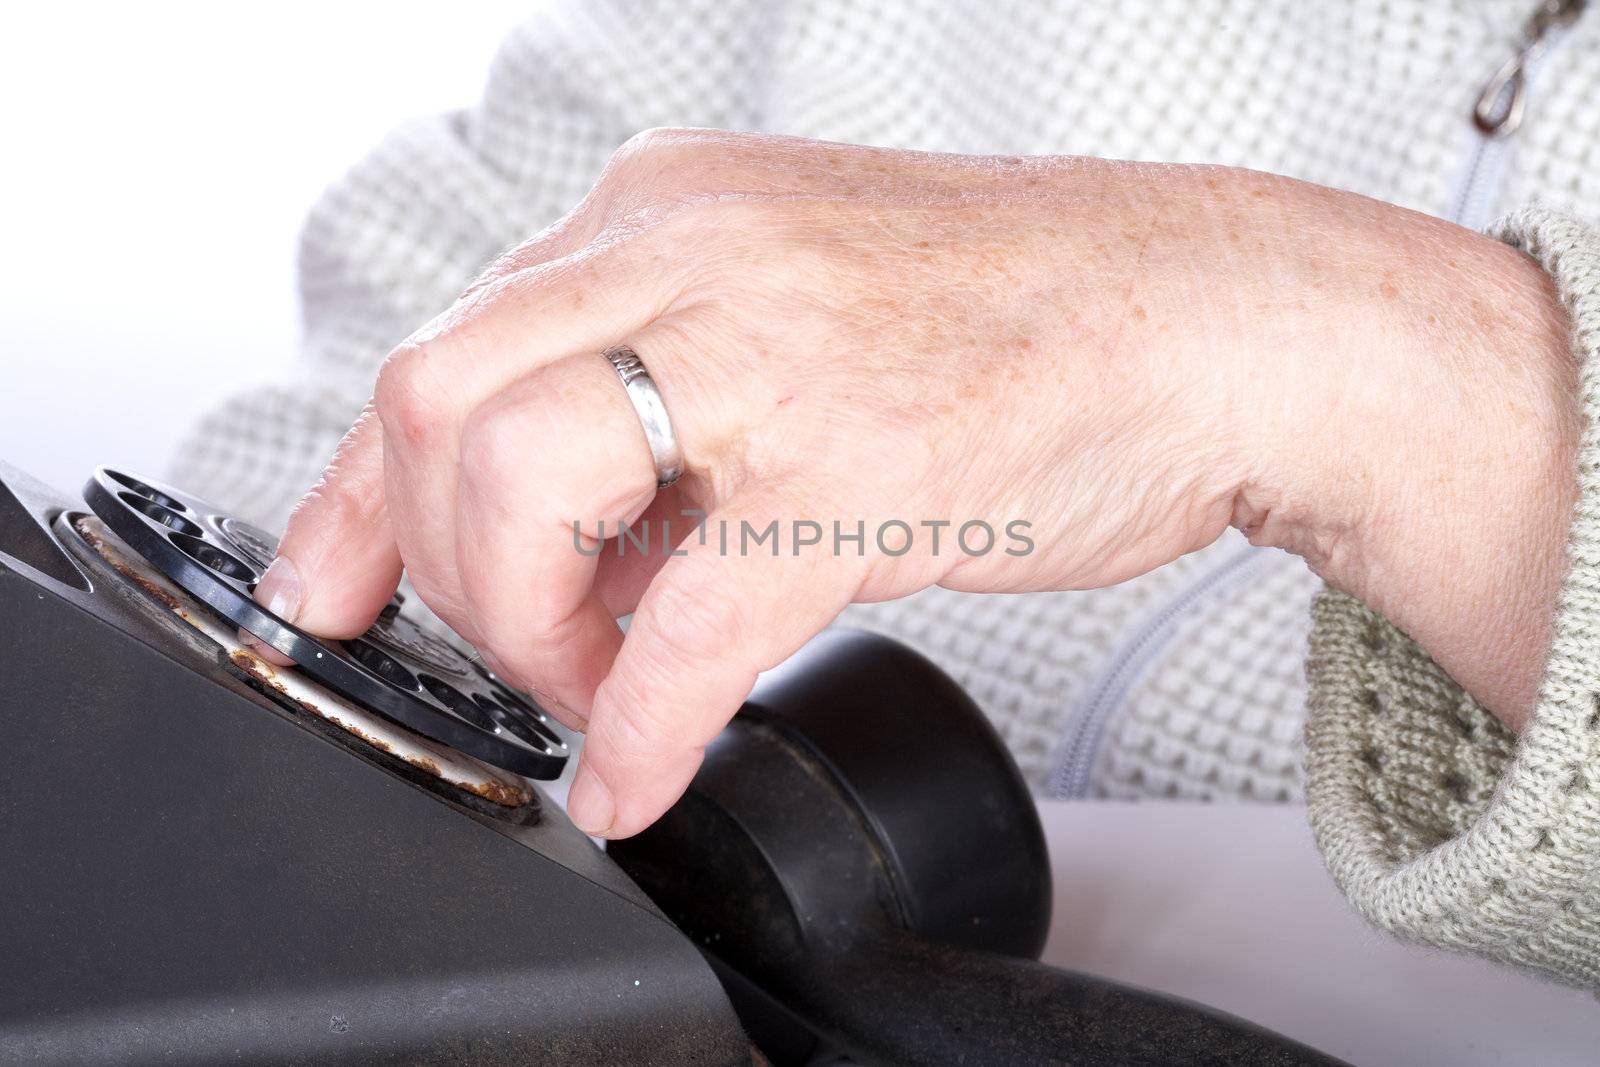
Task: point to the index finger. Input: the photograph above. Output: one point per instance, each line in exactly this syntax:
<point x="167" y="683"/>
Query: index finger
<point x="337" y="564"/>
<point x="339" y="560"/>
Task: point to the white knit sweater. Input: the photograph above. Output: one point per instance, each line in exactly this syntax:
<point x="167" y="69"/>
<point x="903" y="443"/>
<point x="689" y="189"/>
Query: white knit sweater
<point x="1187" y="682"/>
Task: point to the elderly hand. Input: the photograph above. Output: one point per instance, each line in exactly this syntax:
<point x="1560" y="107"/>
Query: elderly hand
<point x="1106" y="363"/>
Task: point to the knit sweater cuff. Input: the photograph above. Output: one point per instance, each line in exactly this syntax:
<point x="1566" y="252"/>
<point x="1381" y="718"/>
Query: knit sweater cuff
<point x="1437" y="824"/>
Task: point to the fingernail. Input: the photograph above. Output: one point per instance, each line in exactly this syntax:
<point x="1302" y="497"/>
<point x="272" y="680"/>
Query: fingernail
<point x="589" y="804"/>
<point x="280" y="590"/>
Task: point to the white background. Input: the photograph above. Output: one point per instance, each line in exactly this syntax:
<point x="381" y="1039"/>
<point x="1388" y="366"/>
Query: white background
<point x="156" y="163"/>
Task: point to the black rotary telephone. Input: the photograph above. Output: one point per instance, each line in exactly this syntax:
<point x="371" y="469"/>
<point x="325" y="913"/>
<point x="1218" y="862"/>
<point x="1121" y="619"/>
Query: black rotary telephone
<point x="208" y="858"/>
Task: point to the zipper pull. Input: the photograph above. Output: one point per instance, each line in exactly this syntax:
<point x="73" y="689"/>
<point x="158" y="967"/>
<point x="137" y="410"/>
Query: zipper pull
<point x="1510" y="82"/>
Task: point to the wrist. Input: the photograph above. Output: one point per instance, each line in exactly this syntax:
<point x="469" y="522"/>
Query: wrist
<point x="1432" y="474"/>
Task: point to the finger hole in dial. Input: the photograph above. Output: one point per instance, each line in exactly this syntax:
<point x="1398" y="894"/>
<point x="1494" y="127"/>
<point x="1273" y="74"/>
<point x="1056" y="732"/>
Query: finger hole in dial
<point x="146" y="491"/>
<point x="213" y="558"/>
<point x="160" y="513"/>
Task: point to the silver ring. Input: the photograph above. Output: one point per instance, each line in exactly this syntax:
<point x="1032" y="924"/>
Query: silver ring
<point x="652" y="413"/>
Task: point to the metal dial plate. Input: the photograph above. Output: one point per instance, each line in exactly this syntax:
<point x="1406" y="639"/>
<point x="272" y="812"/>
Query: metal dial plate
<point x="397" y="668"/>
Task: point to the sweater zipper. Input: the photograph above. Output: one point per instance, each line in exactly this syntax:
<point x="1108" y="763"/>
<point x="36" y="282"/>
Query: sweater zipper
<point x="1497" y="114"/>
<point x="1075" y="757"/>
<point x="1502" y="105"/>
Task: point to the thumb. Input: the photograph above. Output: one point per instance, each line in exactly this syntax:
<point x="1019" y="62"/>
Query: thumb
<point x="708" y="624"/>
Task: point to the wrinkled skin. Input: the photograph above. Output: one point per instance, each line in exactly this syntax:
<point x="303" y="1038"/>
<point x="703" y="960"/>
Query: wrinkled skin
<point x="1127" y="357"/>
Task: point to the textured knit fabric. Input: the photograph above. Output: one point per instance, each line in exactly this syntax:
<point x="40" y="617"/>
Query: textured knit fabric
<point x="1432" y="820"/>
<point x="1186" y="682"/>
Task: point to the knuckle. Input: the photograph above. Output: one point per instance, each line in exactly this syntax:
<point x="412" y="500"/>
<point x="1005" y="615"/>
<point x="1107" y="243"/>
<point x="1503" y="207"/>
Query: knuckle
<point x="407" y="397"/>
<point x="689" y="625"/>
<point x="661" y="164"/>
<point x="649" y="146"/>
<point x="546" y="629"/>
<point x="334" y="504"/>
<point x="492" y="446"/>
<point x="501" y="453"/>
<point x="638" y="732"/>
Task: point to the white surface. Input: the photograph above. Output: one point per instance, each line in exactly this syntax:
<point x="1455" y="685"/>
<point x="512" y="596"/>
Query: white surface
<point x="158" y="161"/>
<point x="1230" y="905"/>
